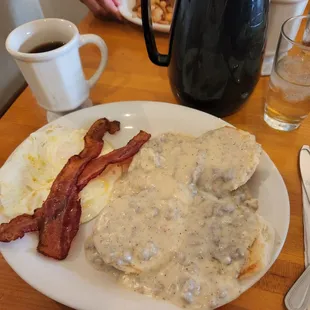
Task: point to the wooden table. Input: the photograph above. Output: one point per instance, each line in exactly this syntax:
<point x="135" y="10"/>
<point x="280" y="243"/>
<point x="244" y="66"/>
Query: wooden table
<point x="131" y="76"/>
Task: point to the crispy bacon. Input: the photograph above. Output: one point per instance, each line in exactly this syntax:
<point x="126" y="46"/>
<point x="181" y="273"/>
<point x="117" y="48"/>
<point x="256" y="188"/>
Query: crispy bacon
<point x="17" y="227"/>
<point x="96" y="166"/>
<point x="62" y="209"/>
<point x="59" y="218"/>
<point x="67" y="177"/>
<point x="57" y="234"/>
<point x="62" y="187"/>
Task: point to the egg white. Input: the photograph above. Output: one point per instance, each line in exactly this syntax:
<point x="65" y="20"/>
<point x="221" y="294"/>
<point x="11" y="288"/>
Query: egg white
<point x="97" y="193"/>
<point x="27" y="176"/>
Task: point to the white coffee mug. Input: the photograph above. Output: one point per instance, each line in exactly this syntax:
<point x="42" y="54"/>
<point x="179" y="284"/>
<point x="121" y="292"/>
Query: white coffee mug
<point x="55" y="77"/>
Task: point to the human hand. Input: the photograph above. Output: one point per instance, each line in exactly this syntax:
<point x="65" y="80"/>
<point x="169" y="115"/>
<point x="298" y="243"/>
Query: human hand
<point x="103" y="8"/>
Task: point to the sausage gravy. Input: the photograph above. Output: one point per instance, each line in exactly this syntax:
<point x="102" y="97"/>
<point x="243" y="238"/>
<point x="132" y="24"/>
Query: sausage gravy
<point x="174" y="228"/>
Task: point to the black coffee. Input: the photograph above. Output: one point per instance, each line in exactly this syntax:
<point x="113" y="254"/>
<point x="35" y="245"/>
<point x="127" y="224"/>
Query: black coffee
<point x="46" y="47"/>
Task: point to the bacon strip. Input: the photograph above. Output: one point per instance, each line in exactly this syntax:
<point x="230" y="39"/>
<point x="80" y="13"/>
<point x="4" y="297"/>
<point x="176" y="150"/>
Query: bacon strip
<point x="59" y="218"/>
<point x="62" y="187"/>
<point x="67" y="178"/>
<point x="17" y="227"/>
<point x="57" y="234"/>
<point x="96" y="166"/>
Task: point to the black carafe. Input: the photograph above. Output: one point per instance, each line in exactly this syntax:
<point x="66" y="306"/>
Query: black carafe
<point x="216" y="50"/>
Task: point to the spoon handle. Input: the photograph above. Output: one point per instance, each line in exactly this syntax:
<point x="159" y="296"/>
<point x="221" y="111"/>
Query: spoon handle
<point x="298" y="296"/>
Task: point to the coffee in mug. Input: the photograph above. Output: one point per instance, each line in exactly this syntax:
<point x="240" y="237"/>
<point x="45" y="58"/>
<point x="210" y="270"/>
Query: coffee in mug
<point x="46" y="47"/>
<point x="47" y="53"/>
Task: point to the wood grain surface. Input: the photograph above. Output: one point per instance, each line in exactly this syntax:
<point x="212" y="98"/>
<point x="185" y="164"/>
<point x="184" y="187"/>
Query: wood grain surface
<point x="131" y="76"/>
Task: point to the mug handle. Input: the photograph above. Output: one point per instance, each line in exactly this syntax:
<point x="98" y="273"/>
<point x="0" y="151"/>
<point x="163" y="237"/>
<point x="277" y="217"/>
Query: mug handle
<point x="94" y="39"/>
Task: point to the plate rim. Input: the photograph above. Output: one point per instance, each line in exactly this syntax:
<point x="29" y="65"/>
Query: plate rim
<point x="83" y="112"/>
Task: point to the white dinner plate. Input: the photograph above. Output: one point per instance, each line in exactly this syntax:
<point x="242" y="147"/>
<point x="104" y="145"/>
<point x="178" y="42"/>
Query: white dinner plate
<point x="126" y="11"/>
<point x="73" y="281"/>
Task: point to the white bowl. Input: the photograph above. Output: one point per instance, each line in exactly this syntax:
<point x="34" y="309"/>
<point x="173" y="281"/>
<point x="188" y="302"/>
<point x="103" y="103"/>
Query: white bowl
<point x="126" y="11"/>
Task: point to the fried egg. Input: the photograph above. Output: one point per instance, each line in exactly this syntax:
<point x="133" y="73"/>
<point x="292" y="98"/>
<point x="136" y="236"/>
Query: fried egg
<point x="28" y="174"/>
<point x="97" y="192"/>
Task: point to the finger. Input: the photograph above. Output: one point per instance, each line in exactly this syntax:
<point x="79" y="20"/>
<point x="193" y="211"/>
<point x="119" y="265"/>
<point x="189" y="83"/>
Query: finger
<point x="110" y="7"/>
<point x="103" y="12"/>
<point x="95" y="7"/>
<point x="117" y="2"/>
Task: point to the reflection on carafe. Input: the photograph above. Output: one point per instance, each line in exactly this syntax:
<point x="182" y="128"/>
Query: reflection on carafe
<point x="216" y="52"/>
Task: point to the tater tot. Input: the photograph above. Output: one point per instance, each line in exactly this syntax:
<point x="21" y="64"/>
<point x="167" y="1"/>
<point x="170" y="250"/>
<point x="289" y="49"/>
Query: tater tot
<point x="163" y="4"/>
<point x="157" y="14"/>
<point x="169" y="9"/>
<point x="139" y="12"/>
<point x="169" y="17"/>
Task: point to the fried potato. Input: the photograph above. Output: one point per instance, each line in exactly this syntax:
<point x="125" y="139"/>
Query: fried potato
<point x="161" y="11"/>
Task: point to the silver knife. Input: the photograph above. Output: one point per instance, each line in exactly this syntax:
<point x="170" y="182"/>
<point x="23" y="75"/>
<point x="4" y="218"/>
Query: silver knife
<point x="304" y="163"/>
<point x="298" y="297"/>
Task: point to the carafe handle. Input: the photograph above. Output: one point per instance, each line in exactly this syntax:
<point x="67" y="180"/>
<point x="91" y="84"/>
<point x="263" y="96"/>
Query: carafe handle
<point x="157" y="58"/>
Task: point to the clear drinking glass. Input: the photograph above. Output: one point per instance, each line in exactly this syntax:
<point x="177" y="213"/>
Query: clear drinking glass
<point x="288" y="97"/>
